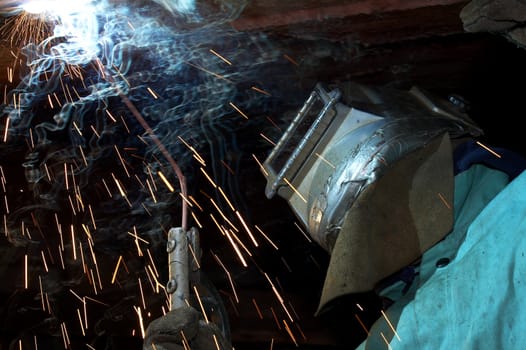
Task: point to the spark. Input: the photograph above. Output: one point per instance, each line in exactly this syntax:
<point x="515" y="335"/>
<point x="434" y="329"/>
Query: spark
<point x="286" y="264"/>
<point x="136" y="236"/>
<point x="386" y="341"/>
<point x="238" y="110"/>
<point x="361" y="324"/>
<point x="201" y="304"/>
<point x="489" y="150"/>
<point x="76" y="295"/>
<point x="275" y="318"/>
<point x="280" y="299"/>
<point x="165" y="180"/>
<point x="443" y="199"/>
<point x="215" y="341"/>
<point x="6" y="128"/>
<point x="157" y="283"/>
<point x="221" y="57"/>
<point x="6" y="205"/>
<point x="240" y="243"/>
<point x="223" y="215"/>
<point x="116" y="269"/>
<point x="84" y="265"/>
<point x="151" y="191"/>
<point x="295" y="190"/>
<point x="72" y="205"/>
<point x="294" y="311"/>
<point x="26" y="282"/>
<point x="66" y="176"/>
<point x="61" y="258"/>
<point x="98" y="276"/>
<point x="121" y="190"/>
<point x="107" y="188"/>
<point x="139" y="250"/>
<point x="228" y="275"/>
<point x="196" y="220"/>
<point x="185" y="200"/>
<point x="228" y="167"/>
<point x="194" y="256"/>
<point x="65" y="336"/>
<point x="236" y="249"/>
<point x="195" y="202"/>
<point x="44" y="260"/>
<point x="73" y="245"/>
<point x="226" y="199"/>
<point x="91" y="216"/>
<point x="260" y="165"/>
<point x="325" y="160"/>
<point x="122" y="160"/>
<point x="257" y="308"/>
<point x="88" y="234"/>
<point x="95" y="131"/>
<point x="47" y="172"/>
<point x="247" y="229"/>
<point x="111" y="116"/>
<point x="291" y="60"/>
<point x="300" y="330"/>
<point x="50" y="101"/>
<point x="152" y="262"/>
<point x="303" y="232"/>
<point x="152" y="93"/>
<point x="141" y="323"/>
<point x="2" y="178"/>
<point x="260" y="91"/>
<point x="93" y="282"/>
<point x="289" y="331"/>
<point x="125" y="124"/>
<point x="391" y="325"/>
<point x="80" y="321"/>
<point x="83" y="156"/>
<point x="31" y="138"/>
<point x="151" y="177"/>
<point x="10" y="74"/>
<point x="209" y="72"/>
<point x="267" y="139"/>
<point x="5" y="226"/>
<point x="197" y="156"/>
<point x="142" y="294"/>
<point x="41" y="293"/>
<point x="266" y="237"/>
<point x="208" y="177"/>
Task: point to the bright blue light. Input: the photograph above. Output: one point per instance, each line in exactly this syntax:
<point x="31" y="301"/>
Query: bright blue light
<point x="75" y="21"/>
<point x="178" y="6"/>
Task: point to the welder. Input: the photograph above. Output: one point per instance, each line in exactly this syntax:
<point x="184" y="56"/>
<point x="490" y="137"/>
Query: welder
<point x="398" y="189"/>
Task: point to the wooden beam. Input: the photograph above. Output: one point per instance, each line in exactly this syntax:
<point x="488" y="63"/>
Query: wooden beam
<point x="260" y="14"/>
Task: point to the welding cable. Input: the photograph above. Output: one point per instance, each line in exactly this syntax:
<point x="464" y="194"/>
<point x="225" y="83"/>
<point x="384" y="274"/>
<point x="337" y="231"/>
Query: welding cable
<point x="159" y="144"/>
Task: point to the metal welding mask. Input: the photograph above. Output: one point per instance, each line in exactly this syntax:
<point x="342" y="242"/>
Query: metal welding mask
<point x="369" y="173"/>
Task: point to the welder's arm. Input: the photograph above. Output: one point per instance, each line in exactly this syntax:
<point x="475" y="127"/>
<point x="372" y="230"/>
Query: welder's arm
<point x="181" y="329"/>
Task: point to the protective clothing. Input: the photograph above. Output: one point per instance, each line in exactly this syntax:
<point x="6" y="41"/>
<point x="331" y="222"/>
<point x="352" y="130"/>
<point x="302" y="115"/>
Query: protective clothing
<point x="470" y="287"/>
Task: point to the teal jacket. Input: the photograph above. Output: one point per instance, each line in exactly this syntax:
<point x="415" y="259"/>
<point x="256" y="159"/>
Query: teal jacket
<point x="470" y="290"/>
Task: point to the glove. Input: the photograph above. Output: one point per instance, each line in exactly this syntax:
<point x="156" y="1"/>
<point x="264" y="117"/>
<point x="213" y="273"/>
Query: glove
<point x="506" y="17"/>
<point x="183" y="325"/>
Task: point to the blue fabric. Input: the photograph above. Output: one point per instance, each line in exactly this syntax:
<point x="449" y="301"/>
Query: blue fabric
<point x="477" y="301"/>
<point x="470" y="153"/>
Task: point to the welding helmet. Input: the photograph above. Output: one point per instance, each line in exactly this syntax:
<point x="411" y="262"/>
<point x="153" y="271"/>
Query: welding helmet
<point x="369" y="173"/>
